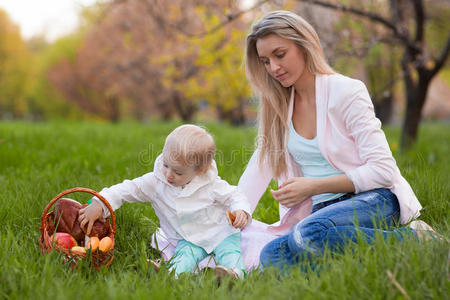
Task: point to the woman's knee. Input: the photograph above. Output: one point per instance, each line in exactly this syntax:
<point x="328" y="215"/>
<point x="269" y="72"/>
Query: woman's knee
<point x="308" y="235"/>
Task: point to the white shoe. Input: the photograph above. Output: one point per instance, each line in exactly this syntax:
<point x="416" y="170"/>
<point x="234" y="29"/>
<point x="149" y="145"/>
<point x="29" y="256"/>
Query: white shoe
<point x="424" y="231"/>
<point x="156" y="264"/>
<point x="222" y="272"/>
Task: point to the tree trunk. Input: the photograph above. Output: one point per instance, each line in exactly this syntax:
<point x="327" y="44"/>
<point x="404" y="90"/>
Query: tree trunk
<point x="166" y="113"/>
<point x="236" y="115"/>
<point x="221" y="113"/>
<point x="415" y="99"/>
<point x="185" y="110"/>
<point x="114" y="109"/>
<point x="138" y="112"/>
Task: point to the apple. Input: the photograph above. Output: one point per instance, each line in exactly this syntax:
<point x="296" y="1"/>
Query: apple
<point x="64" y="240"/>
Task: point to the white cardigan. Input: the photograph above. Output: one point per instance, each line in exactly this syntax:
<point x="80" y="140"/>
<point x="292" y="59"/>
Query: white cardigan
<point x="350" y="138"/>
<point x="196" y="213"/>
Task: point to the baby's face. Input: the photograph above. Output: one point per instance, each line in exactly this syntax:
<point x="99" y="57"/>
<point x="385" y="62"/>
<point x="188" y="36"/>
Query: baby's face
<point x="177" y="174"/>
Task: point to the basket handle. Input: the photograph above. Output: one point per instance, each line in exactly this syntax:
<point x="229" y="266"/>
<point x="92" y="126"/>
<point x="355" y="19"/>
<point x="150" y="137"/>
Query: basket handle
<point x="74" y="190"/>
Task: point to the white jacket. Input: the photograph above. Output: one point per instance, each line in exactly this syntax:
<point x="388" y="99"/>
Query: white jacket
<point x="196" y="213"/>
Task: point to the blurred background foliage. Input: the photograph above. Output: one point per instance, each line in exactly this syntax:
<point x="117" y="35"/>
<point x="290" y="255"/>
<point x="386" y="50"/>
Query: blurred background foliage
<point x="183" y="59"/>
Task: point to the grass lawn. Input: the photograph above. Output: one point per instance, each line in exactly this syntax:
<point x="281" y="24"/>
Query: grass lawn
<point x="39" y="160"/>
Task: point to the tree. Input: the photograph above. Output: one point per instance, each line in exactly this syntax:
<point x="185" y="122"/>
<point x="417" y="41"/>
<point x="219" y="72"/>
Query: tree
<point x="14" y="74"/>
<point x="219" y="76"/>
<point x="185" y="53"/>
<point x="143" y="57"/>
<point x="203" y="60"/>
<point x="107" y="74"/>
<point x="353" y="45"/>
<point x="119" y="66"/>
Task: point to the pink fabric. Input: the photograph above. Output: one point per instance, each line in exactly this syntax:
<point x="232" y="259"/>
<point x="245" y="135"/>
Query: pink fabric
<point x="292" y="217"/>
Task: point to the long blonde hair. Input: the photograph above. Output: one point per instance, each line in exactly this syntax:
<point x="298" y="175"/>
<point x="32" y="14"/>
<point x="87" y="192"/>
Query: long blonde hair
<point x="274" y="98"/>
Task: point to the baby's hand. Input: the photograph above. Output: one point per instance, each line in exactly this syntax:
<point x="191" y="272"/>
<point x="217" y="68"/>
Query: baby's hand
<point x="241" y="219"/>
<point x="89" y="215"/>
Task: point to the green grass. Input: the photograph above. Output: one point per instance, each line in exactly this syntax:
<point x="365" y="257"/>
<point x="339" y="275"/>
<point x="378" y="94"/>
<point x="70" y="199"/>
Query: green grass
<point x="37" y="161"/>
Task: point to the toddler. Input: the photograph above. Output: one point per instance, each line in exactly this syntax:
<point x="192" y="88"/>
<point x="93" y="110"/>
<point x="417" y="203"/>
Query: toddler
<point x="190" y="200"/>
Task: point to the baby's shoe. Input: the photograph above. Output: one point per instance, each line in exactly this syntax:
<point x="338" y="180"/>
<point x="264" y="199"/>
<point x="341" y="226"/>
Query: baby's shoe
<point x="424" y="231"/>
<point x="156" y="264"/>
<point x="222" y="272"/>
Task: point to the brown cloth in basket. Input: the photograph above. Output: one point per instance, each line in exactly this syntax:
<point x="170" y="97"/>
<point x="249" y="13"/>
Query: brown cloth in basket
<point x="66" y="216"/>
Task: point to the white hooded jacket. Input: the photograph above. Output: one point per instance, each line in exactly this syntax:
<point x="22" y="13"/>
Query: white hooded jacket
<point x="196" y="213"/>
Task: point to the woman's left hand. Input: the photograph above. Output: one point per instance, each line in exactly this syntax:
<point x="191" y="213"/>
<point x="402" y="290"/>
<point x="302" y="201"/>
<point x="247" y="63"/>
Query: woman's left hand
<point x="294" y="191"/>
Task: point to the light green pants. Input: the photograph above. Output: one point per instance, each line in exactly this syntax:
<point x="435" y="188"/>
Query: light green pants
<point x="227" y="253"/>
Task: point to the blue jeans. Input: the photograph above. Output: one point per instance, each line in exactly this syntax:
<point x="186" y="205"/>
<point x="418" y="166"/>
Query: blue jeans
<point x="333" y="224"/>
<point x="188" y="255"/>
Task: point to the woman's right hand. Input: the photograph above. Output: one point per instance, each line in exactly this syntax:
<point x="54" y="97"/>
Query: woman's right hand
<point x="294" y="191"/>
<point x="89" y="215"/>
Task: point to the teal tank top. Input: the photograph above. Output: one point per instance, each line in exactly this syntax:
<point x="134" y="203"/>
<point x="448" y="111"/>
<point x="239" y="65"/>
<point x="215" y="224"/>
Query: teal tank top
<point x="307" y="154"/>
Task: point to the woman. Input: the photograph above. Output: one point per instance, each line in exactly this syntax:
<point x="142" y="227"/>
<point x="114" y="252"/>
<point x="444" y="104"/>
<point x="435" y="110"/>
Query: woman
<point x="319" y="137"/>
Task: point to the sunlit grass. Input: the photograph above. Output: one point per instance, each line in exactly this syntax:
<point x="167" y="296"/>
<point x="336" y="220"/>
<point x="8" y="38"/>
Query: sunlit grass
<point x="37" y="161"/>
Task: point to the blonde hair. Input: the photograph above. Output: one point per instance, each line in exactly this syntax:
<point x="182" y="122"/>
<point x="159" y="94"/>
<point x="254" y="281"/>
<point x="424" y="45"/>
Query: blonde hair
<point x="274" y="98"/>
<point x="190" y="145"/>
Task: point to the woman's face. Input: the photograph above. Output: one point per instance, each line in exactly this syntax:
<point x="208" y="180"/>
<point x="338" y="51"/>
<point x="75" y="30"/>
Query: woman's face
<point x="283" y="59"/>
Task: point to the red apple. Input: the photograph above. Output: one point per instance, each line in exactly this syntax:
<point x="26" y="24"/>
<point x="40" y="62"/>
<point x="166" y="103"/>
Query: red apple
<point x="64" y="240"/>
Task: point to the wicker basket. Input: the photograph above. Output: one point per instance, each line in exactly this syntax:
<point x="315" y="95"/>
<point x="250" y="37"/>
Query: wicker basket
<point x="99" y="258"/>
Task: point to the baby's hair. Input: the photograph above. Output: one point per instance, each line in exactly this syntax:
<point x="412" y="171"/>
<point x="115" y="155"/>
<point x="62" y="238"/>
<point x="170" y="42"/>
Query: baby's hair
<point x="190" y="145"/>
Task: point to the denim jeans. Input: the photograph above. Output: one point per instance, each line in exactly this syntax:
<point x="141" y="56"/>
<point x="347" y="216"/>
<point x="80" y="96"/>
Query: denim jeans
<point x="333" y="224"/>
